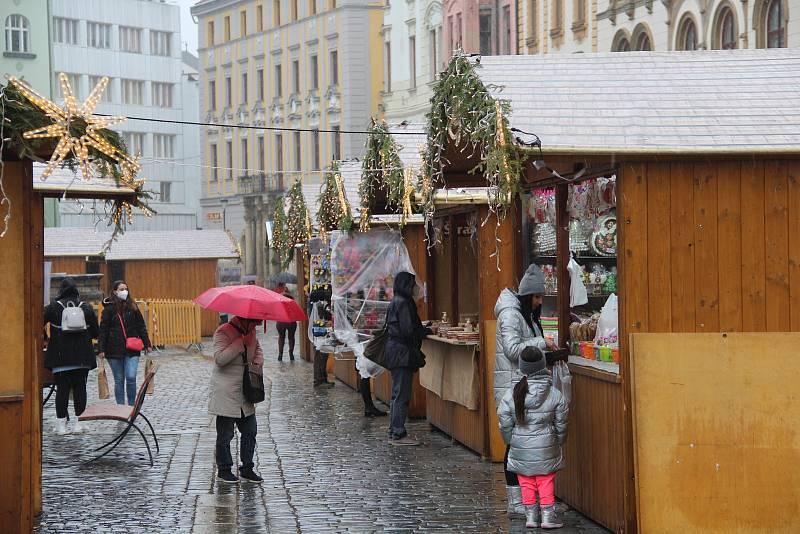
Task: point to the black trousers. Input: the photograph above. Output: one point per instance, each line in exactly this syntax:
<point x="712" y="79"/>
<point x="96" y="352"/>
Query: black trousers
<point x="248" y="428"/>
<point x="320" y="367"/>
<point x="74" y="381"/>
<point x="511" y="478"/>
<point x="283" y="329"/>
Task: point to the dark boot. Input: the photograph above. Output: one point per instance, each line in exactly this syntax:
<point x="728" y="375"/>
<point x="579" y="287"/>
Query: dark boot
<point x="370" y="410"/>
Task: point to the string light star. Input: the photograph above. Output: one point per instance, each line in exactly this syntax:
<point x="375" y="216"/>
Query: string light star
<point x="76" y="127"/>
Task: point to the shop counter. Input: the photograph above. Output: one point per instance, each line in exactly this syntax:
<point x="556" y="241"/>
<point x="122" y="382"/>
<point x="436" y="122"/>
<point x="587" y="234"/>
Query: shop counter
<point x="454" y="380"/>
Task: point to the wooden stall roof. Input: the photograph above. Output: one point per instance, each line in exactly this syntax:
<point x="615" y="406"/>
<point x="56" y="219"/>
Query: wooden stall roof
<point x="139" y="245"/>
<point x="65" y="181"/>
<point x="703" y="102"/>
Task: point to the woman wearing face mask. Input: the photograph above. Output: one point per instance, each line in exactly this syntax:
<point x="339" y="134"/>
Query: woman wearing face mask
<point x="121" y="319"/>
<point x="518" y="327"/>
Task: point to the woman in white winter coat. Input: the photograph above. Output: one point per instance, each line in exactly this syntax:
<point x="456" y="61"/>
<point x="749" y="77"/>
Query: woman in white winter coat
<point x="518" y="327"/>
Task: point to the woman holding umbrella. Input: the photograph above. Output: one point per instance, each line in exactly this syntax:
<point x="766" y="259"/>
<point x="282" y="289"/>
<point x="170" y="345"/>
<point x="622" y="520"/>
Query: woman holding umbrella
<point x="236" y="350"/>
<point x="235" y="346"/>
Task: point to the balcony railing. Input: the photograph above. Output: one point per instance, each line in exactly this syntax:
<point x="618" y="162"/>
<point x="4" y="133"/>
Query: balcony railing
<point x="259" y="183"/>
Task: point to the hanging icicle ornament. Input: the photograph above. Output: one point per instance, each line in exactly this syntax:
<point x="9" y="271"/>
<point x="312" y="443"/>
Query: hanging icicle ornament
<point x="75" y="127"/>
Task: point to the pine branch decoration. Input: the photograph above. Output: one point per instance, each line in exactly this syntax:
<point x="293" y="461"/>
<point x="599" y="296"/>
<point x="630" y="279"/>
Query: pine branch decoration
<point x="298" y="229"/>
<point x="334" y="209"/>
<point x="382" y="170"/>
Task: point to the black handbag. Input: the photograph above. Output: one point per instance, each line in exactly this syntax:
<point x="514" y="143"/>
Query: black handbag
<point x="375" y="349"/>
<point x="252" y="383"/>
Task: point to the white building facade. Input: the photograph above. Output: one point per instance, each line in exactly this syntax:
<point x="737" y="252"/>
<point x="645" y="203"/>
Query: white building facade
<point x="412" y="57"/>
<point x="137" y="44"/>
<point x="698" y="25"/>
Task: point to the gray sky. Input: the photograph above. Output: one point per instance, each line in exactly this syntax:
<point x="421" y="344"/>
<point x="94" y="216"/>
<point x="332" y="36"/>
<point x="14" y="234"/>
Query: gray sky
<point x="188" y="27"/>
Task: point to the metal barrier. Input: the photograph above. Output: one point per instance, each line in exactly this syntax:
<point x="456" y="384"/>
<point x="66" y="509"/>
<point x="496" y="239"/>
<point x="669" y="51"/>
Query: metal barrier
<point x="173" y="322"/>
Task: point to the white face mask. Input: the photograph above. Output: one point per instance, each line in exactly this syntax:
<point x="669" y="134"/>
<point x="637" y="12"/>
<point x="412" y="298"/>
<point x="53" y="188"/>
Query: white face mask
<point x="122" y="295"/>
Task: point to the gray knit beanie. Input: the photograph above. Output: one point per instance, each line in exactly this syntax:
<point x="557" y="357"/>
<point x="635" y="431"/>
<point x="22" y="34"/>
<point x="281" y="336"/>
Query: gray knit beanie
<point x="532" y="361"/>
<point x="532" y="282"/>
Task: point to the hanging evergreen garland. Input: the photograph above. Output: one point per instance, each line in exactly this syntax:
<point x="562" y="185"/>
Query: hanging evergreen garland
<point x="381" y="170"/>
<point x="280" y="243"/>
<point x="464" y="115"/>
<point x="298" y="220"/>
<point x="334" y="209"/>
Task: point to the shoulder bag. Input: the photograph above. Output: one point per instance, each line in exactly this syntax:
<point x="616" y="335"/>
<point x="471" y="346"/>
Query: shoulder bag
<point x="375" y="348"/>
<point x="134" y="344"/>
<point x="252" y="383"/>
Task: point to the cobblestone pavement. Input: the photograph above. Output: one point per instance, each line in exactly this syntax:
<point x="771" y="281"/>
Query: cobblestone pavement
<point x="325" y="468"/>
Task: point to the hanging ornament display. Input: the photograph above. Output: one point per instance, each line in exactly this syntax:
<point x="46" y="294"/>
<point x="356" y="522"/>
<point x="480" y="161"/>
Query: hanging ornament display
<point x="75" y="137"/>
<point x="334" y="210"/>
<point x="75" y="127"/>
<point x="298" y="221"/>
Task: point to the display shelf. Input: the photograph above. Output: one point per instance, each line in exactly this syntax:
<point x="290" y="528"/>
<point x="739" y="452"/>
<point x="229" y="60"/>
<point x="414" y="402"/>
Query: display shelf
<point x="453" y="341"/>
<point x="547" y="258"/>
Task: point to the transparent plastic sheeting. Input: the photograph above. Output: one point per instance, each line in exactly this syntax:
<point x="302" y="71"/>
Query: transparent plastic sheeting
<point x="363" y="267"/>
<point x="321" y="343"/>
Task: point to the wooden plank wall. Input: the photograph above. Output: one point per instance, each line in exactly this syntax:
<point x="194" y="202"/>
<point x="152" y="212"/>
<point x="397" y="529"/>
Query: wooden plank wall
<point x="174" y="279"/>
<point x="20" y="337"/>
<point x="706" y="246"/>
<point x="69" y="265"/>
<point x="592" y="480"/>
<point x="716" y="249"/>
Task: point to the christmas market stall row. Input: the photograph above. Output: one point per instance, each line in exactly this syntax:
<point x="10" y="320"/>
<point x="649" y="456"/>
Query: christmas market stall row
<point x="32" y="128"/>
<point x="659" y="194"/>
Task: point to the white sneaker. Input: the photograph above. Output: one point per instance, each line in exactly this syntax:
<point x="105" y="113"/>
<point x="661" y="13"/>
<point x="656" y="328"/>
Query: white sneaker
<point x="61" y="426"/>
<point x="79" y="427"/>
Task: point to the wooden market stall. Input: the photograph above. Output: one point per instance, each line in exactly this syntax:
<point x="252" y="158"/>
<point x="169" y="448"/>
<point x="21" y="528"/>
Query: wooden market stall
<point x="706" y="192"/>
<point x="34" y="128"/>
<point x="156" y="265"/>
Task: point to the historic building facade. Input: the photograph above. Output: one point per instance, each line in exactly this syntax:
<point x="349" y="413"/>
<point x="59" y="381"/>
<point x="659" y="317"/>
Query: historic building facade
<point x="297" y="75"/>
<point x="486" y="27"/>
<point x="137" y="44"/>
<point x="572" y="26"/>
<point x="412" y="57"/>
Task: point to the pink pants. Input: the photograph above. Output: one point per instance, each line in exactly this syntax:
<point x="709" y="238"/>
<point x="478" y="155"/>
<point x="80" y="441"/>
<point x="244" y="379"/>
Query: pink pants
<point x="544" y="485"/>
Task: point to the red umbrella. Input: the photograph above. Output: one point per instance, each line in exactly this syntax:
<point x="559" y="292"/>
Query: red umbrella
<point x="251" y="302"/>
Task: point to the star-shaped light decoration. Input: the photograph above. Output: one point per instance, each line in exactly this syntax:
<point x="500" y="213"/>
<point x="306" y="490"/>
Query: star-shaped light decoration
<point x="64" y="118"/>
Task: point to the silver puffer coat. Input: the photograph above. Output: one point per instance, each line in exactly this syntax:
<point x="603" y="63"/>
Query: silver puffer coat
<point x="536" y="445"/>
<point x="513" y="335"/>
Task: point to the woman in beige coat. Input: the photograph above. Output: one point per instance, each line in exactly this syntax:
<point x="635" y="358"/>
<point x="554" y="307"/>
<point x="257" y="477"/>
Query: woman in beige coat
<point x="234" y="342"/>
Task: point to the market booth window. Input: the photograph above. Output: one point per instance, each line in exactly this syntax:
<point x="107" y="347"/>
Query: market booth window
<point x="455" y="268"/>
<point x="589" y="267"/>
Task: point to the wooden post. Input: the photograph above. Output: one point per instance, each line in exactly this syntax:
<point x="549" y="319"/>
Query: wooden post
<point x="562" y="260"/>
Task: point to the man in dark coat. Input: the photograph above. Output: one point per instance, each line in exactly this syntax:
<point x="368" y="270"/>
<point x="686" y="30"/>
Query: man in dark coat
<point x="69" y="354"/>
<point x="403" y="354"/>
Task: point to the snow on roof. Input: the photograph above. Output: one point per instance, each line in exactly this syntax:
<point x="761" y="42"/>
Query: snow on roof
<point x="140" y="245"/>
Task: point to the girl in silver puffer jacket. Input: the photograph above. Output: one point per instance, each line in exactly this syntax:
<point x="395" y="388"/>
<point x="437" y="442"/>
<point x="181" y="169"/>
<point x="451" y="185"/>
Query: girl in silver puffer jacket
<point x="533" y="420"/>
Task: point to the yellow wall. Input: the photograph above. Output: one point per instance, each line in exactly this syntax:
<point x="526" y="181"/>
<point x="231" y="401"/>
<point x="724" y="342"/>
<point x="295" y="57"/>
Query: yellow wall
<point x="232" y="57"/>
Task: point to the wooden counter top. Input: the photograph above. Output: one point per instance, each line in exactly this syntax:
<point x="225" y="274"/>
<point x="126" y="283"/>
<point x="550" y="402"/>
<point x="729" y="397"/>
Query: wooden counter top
<point x="454" y="341"/>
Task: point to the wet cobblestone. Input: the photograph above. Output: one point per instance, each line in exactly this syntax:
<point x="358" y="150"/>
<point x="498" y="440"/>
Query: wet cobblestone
<point x="325" y="468"/>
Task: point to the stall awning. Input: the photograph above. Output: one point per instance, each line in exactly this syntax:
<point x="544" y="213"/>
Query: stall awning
<point x="702" y="102"/>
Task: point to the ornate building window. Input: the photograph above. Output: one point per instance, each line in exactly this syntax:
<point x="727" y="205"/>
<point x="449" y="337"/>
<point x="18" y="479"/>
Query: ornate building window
<point x="725" y="29"/>
<point x="687" y="35"/>
<point x="641" y="40"/>
<point x="17" y="39"/>
<point x="776" y="25"/>
<point x="621" y="43"/>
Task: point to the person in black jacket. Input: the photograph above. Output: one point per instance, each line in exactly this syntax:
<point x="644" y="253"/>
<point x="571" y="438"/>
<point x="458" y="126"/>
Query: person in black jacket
<point x="403" y="354"/>
<point x="122" y="319"/>
<point x="69" y="354"/>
